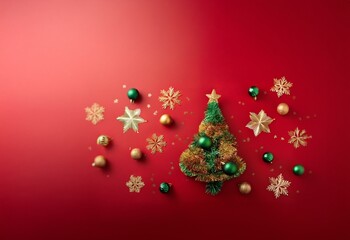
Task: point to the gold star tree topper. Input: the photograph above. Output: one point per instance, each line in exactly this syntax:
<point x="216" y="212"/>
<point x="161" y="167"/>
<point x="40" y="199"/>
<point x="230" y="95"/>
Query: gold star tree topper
<point x="259" y="122"/>
<point x="131" y="119"/>
<point x="213" y="97"/>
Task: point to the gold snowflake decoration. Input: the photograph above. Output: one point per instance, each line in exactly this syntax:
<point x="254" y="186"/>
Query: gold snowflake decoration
<point x="259" y="122"/>
<point x="281" y="86"/>
<point x="135" y="184"/>
<point x="156" y="143"/>
<point x="298" y="138"/>
<point x="169" y="98"/>
<point x="94" y="113"/>
<point x="278" y="186"/>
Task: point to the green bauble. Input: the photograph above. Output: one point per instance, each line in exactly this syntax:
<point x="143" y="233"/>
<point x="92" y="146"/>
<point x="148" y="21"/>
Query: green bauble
<point x="164" y="187"/>
<point x="230" y="168"/>
<point x="253" y="91"/>
<point x="133" y="94"/>
<point x="204" y="142"/>
<point x="298" y="170"/>
<point x="268" y="157"/>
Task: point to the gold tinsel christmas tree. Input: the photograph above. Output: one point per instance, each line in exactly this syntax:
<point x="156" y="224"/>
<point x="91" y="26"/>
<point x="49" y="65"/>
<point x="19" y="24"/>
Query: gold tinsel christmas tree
<point x="212" y="155"/>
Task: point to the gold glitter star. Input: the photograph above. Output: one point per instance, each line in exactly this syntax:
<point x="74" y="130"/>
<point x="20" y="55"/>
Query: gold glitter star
<point x="213" y="97"/>
<point x="131" y="119"/>
<point x="259" y="122"/>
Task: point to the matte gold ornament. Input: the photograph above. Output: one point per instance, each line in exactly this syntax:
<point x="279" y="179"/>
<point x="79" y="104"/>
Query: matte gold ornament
<point x="99" y="161"/>
<point x="245" y="188"/>
<point x="136" y="153"/>
<point x="165" y="119"/>
<point x="283" y="108"/>
<point x="103" y="140"/>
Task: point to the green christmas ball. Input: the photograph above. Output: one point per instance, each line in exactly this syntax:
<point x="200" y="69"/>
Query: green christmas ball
<point x="253" y="91"/>
<point x="268" y="157"/>
<point x="164" y="187"/>
<point x="230" y="168"/>
<point x="298" y="169"/>
<point x="133" y="94"/>
<point x="204" y="142"/>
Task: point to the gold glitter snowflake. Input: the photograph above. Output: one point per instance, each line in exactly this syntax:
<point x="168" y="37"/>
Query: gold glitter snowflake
<point x="156" y="143"/>
<point x="94" y="113"/>
<point x="169" y="98"/>
<point x="281" y="86"/>
<point x="298" y="138"/>
<point x="278" y="186"/>
<point x="135" y="184"/>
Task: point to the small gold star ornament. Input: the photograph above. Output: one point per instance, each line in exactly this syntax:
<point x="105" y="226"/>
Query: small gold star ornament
<point x="213" y="97"/>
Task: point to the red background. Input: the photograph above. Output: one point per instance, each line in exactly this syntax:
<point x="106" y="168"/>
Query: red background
<point x="58" y="57"/>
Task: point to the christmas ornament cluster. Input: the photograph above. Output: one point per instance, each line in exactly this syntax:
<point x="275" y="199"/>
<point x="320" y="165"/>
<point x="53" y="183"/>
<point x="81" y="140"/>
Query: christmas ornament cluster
<point x="212" y="156"/>
<point x="131" y="119"/>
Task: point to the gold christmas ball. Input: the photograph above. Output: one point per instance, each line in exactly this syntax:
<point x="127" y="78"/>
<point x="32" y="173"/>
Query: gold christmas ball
<point x="99" y="161"/>
<point x="136" y="153"/>
<point x="245" y="188"/>
<point x="165" y="119"/>
<point x="283" y="108"/>
<point x="103" y="140"/>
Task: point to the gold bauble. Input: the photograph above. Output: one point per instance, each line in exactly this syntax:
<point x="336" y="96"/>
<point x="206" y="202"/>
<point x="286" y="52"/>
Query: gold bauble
<point x="165" y="119"/>
<point x="99" y="161"/>
<point x="136" y="153"/>
<point x="103" y="140"/>
<point x="283" y="108"/>
<point x="245" y="188"/>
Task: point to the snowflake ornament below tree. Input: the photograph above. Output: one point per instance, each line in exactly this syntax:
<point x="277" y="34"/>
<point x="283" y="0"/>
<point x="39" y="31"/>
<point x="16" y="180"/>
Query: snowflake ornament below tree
<point x="298" y="138"/>
<point x="281" y="86"/>
<point x="94" y="113"/>
<point x="278" y="186"/>
<point x="156" y="143"/>
<point x="135" y="184"/>
<point x="169" y="98"/>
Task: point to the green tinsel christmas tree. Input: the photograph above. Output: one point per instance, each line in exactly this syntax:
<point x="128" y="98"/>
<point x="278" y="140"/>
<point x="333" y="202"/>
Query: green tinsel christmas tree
<point x="212" y="155"/>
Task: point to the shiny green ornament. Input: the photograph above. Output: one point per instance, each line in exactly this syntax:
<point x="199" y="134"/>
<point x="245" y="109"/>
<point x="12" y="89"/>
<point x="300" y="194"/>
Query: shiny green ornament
<point x="268" y="157"/>
<point x="164" y="187"/>
<point x="133" y="94"/>
<point x="253" y="92"/>
<point x="230" y="168"/>
<point x="298" y="169"/>
<point x="204" y="142"/>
